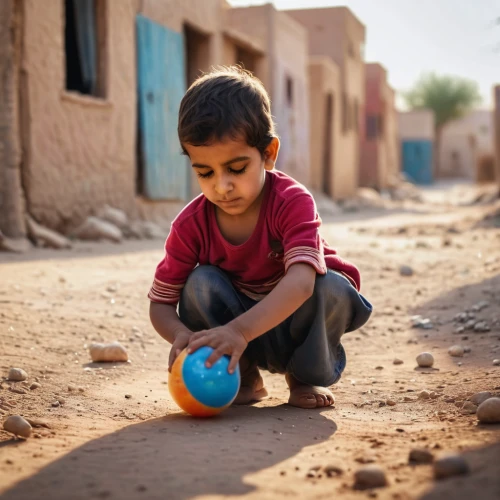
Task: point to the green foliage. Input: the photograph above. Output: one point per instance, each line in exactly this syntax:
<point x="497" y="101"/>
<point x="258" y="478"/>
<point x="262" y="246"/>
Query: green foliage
<point x="450" y="97"/>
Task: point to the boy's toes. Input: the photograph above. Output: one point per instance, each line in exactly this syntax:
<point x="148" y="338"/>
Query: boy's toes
<point x="309" y="397"/>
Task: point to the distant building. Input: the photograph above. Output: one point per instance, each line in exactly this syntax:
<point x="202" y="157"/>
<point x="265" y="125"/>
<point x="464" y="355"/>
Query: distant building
<point x="379" y="164"/>
<point x="416" y="134"/>
<point x="336" y="33"/>
<point x="285" y="74"/>
<point x="467" y="146"/>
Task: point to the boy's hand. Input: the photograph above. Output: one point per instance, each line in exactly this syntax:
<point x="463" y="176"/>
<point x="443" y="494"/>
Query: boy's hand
<point x="224" y="340"/>
<point x="181" y="341"/>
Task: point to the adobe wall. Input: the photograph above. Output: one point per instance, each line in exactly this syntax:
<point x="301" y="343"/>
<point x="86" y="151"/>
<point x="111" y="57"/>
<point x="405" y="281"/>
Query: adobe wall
<point x="11" y="196"/>
<point x="81" y="150"/>
<point x="324" y="78"/>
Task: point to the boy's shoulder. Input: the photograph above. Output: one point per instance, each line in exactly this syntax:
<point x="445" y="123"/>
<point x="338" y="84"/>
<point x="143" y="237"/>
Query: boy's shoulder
<point x="194" y="209"/>
<point x="287" y="188"/>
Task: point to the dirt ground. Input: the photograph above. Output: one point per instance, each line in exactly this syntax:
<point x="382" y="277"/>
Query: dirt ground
<point x="117" y="434"/>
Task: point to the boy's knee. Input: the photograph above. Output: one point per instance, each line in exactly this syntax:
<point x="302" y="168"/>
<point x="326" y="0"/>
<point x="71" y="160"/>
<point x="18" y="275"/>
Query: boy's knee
<point x="334" y="287"/>
<point x="203" y="284"/>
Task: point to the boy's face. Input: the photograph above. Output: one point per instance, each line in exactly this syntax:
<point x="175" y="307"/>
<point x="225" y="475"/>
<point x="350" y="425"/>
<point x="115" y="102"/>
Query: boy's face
<point x="231" y="173"/>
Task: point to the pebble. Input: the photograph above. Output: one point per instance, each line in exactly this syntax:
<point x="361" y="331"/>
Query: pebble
<point x="496" y="362"/>
<point x="424" y="395"/>
<point x="459" y="329"/>
<point x="469" y="408"/>
<point x="480" y="306"/>
<point x="482" y="326"/>
<point x="450" y="465"/>
<point x="390" y="402"/>
<point x="71" y="387"/>
<point x="421" y="322"/>
<point x="488" y="411"/>
<point x="370" y="476"/>
<point x="457" y="351"/>
<point x="35" y="385"/>
<point x="128" y="396"/>
<point x="480" y="397"/>
<point x="397" y="361"/>
<point x="425" y="360"/>
<point x="406" y="271"/>
<point x="17" y="374"/>
<point x="17" y="390"/>
<point x="332" y="470"/>
<point x="18" y="426"/>
<point x="56" y="404"/>
<point x="421" y="456"/>
<point x="467" y="349"/>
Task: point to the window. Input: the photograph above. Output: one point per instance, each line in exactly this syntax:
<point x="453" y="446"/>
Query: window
<point x="345" y="113"/>
<point x="289" y="91"/>
<point x="371" y="127"/>
<point x="84" y="38"/>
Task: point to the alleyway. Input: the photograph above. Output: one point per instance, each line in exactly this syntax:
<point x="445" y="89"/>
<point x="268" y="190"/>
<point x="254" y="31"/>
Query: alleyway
<point x="116" y="433"/>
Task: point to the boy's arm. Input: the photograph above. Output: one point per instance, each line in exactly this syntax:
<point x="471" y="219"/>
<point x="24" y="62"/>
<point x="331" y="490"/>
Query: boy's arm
<point x="291" y="292"/>
<point x="166" y="322"/>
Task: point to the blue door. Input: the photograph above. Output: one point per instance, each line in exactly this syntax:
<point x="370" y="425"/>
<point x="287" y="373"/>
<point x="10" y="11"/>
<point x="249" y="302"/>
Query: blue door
<point x="418" y="161"/>
<point x="161" y="86"/>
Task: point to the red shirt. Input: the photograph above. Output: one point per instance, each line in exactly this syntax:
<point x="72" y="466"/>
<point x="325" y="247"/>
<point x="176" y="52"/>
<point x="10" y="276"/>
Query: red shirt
<point x="287" y="232"/>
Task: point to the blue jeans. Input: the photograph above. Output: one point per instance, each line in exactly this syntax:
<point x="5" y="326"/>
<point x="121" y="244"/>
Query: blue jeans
<point x="305" y="345"/>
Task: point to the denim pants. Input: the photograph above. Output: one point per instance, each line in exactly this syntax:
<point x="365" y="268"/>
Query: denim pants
<point x="305" y="345"/>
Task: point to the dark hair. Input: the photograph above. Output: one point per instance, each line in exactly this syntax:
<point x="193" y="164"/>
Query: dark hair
<point x="228" y="102"/>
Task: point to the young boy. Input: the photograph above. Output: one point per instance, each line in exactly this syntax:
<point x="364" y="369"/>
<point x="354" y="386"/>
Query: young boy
<point x="244" y="261"/>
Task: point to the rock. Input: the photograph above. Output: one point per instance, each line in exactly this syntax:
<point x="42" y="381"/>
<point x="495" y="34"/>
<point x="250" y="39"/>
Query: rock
<point x="128" y="396"/>
<point x="390" y="402"/>
<point x="95" y="229"/>
<point x="450" y="465"/>
<point x="480" y="306"/>
<point x="467" y="349"/>
<point x="420" y="322"/>
<point x="468" y="408"/>
<point x="18" y="390"/>
<point x="424" y="395"/>
<point x="406" y="271"/>
<point x="71" y="388"/>
<point x="36" y="422"/>
<point x="112" y="352"/>
<point x="470" y="324"/>
<point x="456" y="351"/>
<point x="488" y="411"/>
<point x="114" y="216"/>
<point x="397" y="361"/>
<point x="56" y="404"/>
<point x="148" y="230"/>
<point x="481" y="327"/>
<point x="460" y="329"/>
<point x="45" y="237"/>
<point x="496" y="362"/>
<point x="370" y="476"/>
<point x="425" y="360"/>
<point x="421" y="456"/>
<point x="18" y="426"/>
<point x="35" y="385"/>
<point x="480" y="397"/>
<point x="17" y="374"/>
<point x="332" y="470"/>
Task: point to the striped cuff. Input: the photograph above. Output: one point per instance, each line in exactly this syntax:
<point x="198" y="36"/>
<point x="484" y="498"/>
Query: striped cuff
<point x="306" y="255"/>
<point x="165" y="293"/>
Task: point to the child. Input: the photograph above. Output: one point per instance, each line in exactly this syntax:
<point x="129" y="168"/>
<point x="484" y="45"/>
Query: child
<point x="244" y="261"/>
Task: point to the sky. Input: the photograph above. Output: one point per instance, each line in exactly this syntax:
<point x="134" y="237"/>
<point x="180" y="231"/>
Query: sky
<point x="411" y="37"/>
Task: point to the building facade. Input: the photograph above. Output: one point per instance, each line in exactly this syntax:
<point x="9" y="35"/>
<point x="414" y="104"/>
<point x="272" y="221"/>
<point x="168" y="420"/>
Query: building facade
<point x="417" y="137"/>
<point x="379" y="151"/>
<point x="467" y="144"/>
<point x="336" y="33"/>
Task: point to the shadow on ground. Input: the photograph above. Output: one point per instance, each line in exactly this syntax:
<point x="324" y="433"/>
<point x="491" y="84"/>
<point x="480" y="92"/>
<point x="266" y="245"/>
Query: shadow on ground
<point x="178" y="457"/>
<point x="483" y="483"/>
<point x="446" y="306"/>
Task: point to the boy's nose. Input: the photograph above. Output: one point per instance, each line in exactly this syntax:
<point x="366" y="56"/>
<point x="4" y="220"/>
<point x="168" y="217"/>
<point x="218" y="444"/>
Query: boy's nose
<point x="223" y="186"/>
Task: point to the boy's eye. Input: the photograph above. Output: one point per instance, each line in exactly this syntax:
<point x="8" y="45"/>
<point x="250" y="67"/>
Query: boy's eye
<point x="207" y="175"/>
<point x="237" y="172"/>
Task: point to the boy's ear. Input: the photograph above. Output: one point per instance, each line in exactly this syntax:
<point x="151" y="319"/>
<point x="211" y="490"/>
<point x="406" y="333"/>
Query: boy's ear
<point x="271" y="154"/>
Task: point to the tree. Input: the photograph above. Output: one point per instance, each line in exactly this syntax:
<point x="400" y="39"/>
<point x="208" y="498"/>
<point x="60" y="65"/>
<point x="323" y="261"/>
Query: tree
<point x="450" y="97"/>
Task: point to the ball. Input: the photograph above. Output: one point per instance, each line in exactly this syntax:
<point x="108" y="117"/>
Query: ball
<point x="202" y="391"/>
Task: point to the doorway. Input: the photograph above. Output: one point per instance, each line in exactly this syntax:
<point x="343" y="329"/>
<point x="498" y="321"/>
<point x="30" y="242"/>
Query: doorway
<point x="197" y="53"/>
<point x="328" y="145"/>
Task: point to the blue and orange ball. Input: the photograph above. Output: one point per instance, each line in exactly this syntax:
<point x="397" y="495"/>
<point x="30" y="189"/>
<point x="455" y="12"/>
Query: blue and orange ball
<point x="202" y="391"/>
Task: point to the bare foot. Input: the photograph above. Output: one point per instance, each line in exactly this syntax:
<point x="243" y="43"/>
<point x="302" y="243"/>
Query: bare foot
<point x="308" y="396"/>
<point x="252" y="385"/>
